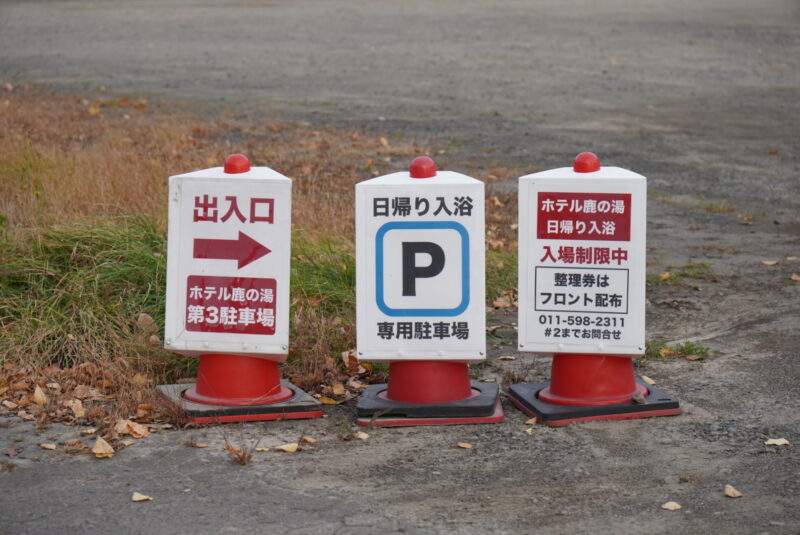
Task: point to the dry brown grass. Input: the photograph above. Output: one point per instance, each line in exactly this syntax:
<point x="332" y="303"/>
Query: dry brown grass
<point x="64" y="158"/>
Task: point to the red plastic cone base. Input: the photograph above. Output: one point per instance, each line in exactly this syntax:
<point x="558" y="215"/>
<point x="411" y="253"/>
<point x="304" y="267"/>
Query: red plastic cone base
<point x="584" y="380"/>
<point x="237" y="380"/>
<point x="428" y="381"/>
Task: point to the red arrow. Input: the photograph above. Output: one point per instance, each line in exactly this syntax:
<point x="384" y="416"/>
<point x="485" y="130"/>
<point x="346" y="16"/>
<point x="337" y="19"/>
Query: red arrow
<point x="245" y="249"/>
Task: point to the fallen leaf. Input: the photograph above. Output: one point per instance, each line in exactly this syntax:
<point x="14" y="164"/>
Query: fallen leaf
<point x="502" y="302"/>
<point x="507" y="357"/>
<point x="384" y="142"/>
<point x="529" y="431"/>
<point x="361" y="435"/>
<point x="102" y="449"/>
<point x="137" y="497"/>
<point x="144" y="320"/>
<point x="731" y="492"/>
<point x="20" y="386"/>
<point x="75" y="445"/>
<point x="143" y="409"/>
<point x="13" y="452"/>
<point x="338" y="389"/>
<point x="127" y="427"/>
<point x="532" y="421"/>
<point x="25" y="415"/>
<point x="81" y="392"/>
<point x="94" y="111"/>
<point x="692" y="357"/>
<point x="200" y="445"/>
<point x="494" y="201"/>
<point x="355" y="385"/>
<point x="39" y="396"/>
<point x="9" y="404"/>
<point x="89" y="431"/>
<point x="154" y="340"/>
<point x="289" y="448"/>
<point x="308" y="440"/>
<point x="777" y="442"/>
<point x="795" y="277"/>
<point x="466" y="445"/>
<point x="349" y="358"/>
<point x="326" y="400"/>
<point x="262" y="449"/>
<point x="773" y="151"/>
<point x="666" y="352"/>
<point x="47" y="445"/>
<point x="105" y="383"/>
<point x="664" y="276"/>
<point x="647" y="380"/>
<point x="671" y="506"/>
<point x="53" y="386"/>
<point x="76" y="406"/>
<point x="770" y="262"/>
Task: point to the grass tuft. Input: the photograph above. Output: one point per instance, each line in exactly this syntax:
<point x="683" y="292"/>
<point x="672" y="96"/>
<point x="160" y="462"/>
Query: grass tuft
<point x="659" y="350"/>
<point x="72" y="293"/>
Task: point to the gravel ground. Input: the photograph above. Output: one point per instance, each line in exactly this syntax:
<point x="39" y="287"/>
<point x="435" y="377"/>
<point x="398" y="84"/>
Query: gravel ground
<point x="699" y="96"/>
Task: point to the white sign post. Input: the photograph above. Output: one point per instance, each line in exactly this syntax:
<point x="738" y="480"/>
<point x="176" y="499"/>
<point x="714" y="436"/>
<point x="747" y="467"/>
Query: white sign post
<point x="582" y="262"/>
<point x="421" y="297"/>
<point x="228" y="293"/>
<point x="228" y="263"/>
<point x="582" y="293"/>
<point x="420" y="268"/>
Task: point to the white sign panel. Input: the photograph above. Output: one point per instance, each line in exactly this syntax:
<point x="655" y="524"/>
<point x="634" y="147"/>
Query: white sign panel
<point x="420" y="268"/>
<point x="228" y="263"/>
<point x="582" y="262"/>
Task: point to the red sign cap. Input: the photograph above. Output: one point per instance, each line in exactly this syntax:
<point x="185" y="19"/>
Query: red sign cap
<point x="422" y="167"/>
<point x="237" y="163"/>
<point x="586" y="162"/>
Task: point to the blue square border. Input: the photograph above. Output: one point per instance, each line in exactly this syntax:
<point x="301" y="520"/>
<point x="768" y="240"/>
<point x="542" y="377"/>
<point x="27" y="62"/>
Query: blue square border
<point x="422" y="225"/>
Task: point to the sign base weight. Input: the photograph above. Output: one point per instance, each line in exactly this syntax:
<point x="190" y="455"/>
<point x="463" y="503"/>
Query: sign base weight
<point x="299" y="406"/>
<point x="483" y="407"/>
<point x="526" y="398"/>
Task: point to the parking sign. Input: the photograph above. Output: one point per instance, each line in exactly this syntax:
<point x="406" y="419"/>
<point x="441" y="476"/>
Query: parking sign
<point x="420" y="267"/>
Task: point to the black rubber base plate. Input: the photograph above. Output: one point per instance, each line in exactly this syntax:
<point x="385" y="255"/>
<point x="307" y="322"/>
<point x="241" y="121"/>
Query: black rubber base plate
<point x="372" y="404"/>
<point x="299" y="406"/>
<point x="526" y="397"/>
<point x="401" y="421"/>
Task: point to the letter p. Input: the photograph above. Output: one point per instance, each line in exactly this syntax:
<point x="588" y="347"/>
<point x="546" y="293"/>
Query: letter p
<point x="412" y="271"/>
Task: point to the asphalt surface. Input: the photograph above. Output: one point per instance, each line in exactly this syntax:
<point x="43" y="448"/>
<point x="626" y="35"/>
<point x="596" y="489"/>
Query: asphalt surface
<point x="702" y="97"/>
<point x="708" y="86"/>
